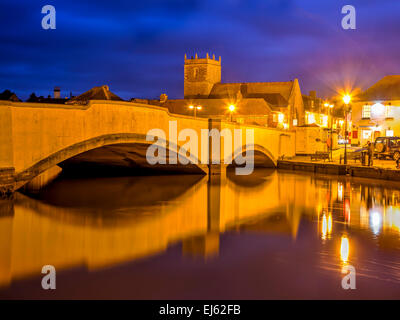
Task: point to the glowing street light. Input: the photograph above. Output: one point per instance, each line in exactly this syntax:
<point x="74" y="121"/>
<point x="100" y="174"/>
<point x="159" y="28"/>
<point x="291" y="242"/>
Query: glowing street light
<point x="231" y="110"/>
<point x="192" y="107"/>
<point x="346" y="100"/>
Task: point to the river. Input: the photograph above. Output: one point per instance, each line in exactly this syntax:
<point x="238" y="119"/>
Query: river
<point x="273" y="235"/>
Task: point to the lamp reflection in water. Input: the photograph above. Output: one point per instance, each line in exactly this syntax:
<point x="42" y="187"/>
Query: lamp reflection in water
<point x="326" y="226"/>
<point x="340" y="191"/>
<point x="375" y="221"/>
<point x="344" y="249"/>
<point x="347" y="211"/>
<point x="392" y="218"/>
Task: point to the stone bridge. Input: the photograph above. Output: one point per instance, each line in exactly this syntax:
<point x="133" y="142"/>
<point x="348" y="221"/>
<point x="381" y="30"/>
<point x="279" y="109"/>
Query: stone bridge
<point x="36" y="138"/>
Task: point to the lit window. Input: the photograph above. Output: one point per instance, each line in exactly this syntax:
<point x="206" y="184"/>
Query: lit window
<point x="367" y="134"/>
<point x="389" y="133"/>
<point x="274" y="117"/>
<point x="389" y="111"/>
<point x="378" y="110"/>
<point x="324" y="120"/>
<point x="281" y="117"/>
<point x="310" y="118"/>
<point x="295" y="122"/>
<point x="366" y="111"/>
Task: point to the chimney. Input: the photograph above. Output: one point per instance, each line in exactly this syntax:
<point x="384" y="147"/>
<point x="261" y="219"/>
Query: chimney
<point x="57" y="93"/>
<point x="313" y="95"/>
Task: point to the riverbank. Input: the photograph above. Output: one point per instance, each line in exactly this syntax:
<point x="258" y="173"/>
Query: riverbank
<point x="384" y="170"/>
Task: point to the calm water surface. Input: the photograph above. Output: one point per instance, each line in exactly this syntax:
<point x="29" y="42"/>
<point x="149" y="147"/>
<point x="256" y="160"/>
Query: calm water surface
<point x="269" y="235"/>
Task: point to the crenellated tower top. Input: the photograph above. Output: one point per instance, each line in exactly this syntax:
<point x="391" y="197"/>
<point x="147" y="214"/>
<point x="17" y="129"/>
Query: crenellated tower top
<point x="207" y="59"/>
<point x="200" y="75"/>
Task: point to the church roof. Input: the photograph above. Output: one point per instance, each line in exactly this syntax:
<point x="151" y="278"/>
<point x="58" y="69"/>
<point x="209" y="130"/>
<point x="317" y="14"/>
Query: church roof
<point x="388" y="88"/>
<point x="275" y="93"/>
<point x="214" y="107"/>
<point x="96" y="93"/>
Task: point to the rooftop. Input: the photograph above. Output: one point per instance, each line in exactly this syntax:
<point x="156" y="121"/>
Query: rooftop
<point x="388" y="88"/>
<point x="96" y="93"/>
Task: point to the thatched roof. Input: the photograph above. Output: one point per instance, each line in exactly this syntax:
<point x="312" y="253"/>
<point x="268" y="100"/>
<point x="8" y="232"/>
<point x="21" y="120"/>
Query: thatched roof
<point x="388" y="88"/>
<point x="96" y="93"/>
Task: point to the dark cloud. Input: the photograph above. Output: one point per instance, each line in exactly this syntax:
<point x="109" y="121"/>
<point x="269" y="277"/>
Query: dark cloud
<point x="137" y="47"/>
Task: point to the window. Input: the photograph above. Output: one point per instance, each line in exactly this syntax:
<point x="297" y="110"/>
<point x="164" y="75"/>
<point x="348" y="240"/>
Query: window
<point x="389" y="133"/>
<point x="389" y="111"/>
<point x="366" y="111"/>
<point x="378" y="111"/>
<point x="367" y="134"/>
<point x="310" y="118"/>
<point x="324" y="120"/>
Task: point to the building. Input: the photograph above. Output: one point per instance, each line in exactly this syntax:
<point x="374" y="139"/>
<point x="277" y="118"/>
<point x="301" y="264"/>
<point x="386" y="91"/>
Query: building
<point x="55" y="99"/>
<point x="273" y="104"/>
<point x="96" y="93"/>
<point x="10" y="96"/>
<point x="314" y="110"/>
<point x="376" y="111"/>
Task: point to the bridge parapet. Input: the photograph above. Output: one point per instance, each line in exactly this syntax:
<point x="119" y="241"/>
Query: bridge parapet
<point x="34" y="137"/>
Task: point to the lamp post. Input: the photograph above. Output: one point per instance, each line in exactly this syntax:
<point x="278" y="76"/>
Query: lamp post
<point x="195" y="109"/>
<point x="330" y="115"/>
<point x="346" y="100"/>
<point x="231" y="110"/>
<point x="330" y="106"/>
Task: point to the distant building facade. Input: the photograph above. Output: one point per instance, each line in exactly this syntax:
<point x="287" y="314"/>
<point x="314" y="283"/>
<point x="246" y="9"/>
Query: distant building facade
<point x="314" y="110"/>
<point x="273" y="104"/>
<point x="376" y="111"/>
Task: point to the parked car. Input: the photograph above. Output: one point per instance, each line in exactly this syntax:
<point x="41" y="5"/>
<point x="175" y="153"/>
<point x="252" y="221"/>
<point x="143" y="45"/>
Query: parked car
<point x="387" y="147"/>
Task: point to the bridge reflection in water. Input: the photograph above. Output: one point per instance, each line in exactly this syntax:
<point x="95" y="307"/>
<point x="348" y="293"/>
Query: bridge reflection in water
<point x="105" y="222"/>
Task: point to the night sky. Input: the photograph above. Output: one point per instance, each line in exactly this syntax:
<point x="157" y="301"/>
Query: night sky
<point x="138" y="47"/>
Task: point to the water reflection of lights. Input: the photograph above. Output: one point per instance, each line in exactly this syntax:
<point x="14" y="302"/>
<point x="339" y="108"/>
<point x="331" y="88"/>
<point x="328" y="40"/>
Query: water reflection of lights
<point x="326" y="226"/>
<point x="375" y="220"/>
<point x="392" y="218"/>
<point x="347" y="211"/>
<point x="340" y="191"/>
<point x="344" y="249"/>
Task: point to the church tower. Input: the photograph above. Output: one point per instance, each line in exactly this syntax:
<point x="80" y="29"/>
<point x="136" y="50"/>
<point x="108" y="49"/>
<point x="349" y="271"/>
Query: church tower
<point x="200" y="76"/>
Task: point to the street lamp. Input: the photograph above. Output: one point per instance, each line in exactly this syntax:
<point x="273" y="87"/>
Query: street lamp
<point x="195" y="109"/>
<point x="331" y="120"/>
<point x="330" y="106"/>
<point x="231" y="110"/>
<point x="346" y="100"/>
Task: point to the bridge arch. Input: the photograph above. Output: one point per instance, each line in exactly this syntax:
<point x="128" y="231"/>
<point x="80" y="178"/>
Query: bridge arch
<point x="262" y="156"/>
<point x="132" y="142"/>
